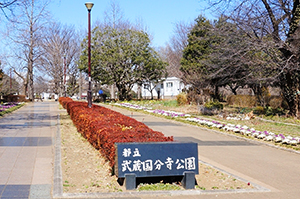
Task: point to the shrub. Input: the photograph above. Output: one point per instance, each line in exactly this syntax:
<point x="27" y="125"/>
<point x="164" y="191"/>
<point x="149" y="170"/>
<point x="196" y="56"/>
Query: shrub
<point x="259" y="110"/>
<point x="192" y="97"/>
<point x="213" y="105"/>
<point x="103" y="127"/>
<point x="242" y="100"/>
<point x="274" y="111"/>
<point x="275" y="102"/>
<point x="181" y="99"/>
<point x="211" y="108"/>
<point x="64" y="100"/>
<point x="14" y="98"/>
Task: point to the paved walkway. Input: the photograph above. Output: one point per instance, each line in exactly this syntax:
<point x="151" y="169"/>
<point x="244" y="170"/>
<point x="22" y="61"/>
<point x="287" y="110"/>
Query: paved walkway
<point x="26" y="151"/>
<point x="27" y="139"/>
<point x="275" y="171"/>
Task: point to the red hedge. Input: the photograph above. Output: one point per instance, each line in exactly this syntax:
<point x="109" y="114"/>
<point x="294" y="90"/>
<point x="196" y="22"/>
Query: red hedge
<point x="103" y="127"/>
<point x="64" y="100"/>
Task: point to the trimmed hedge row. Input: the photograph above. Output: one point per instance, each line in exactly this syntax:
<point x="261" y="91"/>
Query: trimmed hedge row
<point x="103" y="127"/>
<point x="64" y="100"/>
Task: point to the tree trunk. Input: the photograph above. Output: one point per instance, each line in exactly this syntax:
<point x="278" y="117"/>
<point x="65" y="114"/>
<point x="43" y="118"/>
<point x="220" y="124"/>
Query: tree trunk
<point x="30" y="81"/>
<point x="290" y="90"/>
<point x="256" y="88"/>
<point x="139" y="92"/>
<point x="233" y="88"/>
<point x="112" y="91"/>
<point x="289" y="80"/>
<point x="294" y="107"/>
<point x="80" y="85"/>
<point x="216" y="93"/>
<point x="30" y="65"/>
<point x="122" y="92"/>
<point x="25" y="83"/>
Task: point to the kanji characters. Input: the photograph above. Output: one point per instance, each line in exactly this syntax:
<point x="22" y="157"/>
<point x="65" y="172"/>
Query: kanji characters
<point x="169" y="163"/>
<point x="126" y="152"/>
<point x="138" y="165"/>
<point x="125" y="165"/>
<point x="158" y="164"/>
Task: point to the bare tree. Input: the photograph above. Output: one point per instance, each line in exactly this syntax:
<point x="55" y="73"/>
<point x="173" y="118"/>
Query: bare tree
<point x="22" y="75"/>
<point x="8" y="84"/>
<point x="271" y="25"/>
<point x="114" y="16"/>
<point x="25" y="34"/>
<point x="41" y="85"/>
<point x="172" y="52"/>
<point x="7" y="5"/>
<point x="60" y="49"/>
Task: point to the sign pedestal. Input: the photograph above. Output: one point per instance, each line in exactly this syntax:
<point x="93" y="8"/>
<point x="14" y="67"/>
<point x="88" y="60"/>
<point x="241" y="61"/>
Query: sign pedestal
<point x="130" y="181"/>
<point x="188" y="181"/>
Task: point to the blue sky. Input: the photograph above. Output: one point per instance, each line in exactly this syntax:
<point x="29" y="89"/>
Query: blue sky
<point x="158" y="15"/>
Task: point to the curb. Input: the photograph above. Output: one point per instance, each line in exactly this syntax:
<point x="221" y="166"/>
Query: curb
<point x="57" y="179"/>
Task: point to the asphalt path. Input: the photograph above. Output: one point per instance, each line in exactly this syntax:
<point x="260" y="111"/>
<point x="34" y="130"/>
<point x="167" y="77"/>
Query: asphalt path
<point x="274" y="172"/>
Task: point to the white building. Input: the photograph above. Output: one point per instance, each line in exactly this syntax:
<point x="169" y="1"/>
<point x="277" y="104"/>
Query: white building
<point x="168" y="88"/>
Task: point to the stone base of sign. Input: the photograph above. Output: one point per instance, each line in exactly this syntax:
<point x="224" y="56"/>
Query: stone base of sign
<point x="130" y="181"/>
<point x="188" y="181"/>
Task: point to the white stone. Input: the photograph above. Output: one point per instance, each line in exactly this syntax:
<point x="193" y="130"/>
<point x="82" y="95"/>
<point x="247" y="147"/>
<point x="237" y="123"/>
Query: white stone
<point x="277" y="139"/>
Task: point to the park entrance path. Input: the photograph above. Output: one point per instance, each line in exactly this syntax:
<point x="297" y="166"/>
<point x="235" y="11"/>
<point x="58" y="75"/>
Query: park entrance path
<point x="276" y="171"/>
<point x="26" y="151"/>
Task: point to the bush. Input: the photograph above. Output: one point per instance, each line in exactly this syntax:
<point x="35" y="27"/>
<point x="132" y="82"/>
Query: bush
<point x="192" y="97"/>
<point x="211" y="108"/>
<point x="213" y="105"/>
<point x="64" y="100"/>
<point x="274" y="111"/>
<point x="14" y="98"/>
<point x="242" y="100"/>
<point x="275" y="102"/>
<point x="103" y="127"/>
<point x="259" y="110"/>
<point x="181" y="99"/>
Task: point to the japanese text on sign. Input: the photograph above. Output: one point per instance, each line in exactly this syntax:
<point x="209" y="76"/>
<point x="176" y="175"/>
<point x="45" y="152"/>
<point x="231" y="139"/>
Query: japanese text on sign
<point x="156" y="159"/>
<point x="149" y="165"/>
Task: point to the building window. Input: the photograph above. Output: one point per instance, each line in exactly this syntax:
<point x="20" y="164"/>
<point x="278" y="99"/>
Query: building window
<point x="169" y="84"/>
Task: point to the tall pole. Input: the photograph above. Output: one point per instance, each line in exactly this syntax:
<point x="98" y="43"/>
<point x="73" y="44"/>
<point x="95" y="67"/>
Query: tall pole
<point x="89" y="96"/>
<point x="65" y="71"/>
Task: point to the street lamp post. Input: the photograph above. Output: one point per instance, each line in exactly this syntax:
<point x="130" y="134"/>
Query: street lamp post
<point x="89" y="8"/>
<point x="65" y="71"/>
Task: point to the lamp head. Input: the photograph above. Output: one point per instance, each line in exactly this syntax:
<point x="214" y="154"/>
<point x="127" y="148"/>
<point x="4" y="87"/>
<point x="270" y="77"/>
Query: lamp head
<point x="89" y="6"/>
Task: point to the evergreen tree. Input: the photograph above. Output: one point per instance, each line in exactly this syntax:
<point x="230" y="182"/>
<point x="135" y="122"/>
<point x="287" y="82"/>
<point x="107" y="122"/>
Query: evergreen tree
<point x="120" y="56"/>
<point x="196" y="54"/>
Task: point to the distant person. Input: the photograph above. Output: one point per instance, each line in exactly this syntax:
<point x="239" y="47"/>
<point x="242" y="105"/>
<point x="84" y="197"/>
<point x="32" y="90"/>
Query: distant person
<point x="102" y="95"/>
